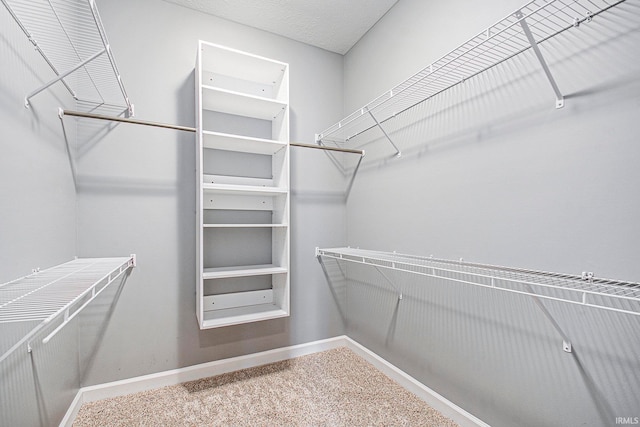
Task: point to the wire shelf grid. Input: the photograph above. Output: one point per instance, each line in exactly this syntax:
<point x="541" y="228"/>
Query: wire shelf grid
<point x="67" y="33"/>
<point x="498" y="43"/>
<point x="61" y="291"/>
<point x="614" y="295"/>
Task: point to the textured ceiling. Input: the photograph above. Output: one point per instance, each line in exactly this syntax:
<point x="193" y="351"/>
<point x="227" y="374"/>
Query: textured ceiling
<point x="334" y="25"/>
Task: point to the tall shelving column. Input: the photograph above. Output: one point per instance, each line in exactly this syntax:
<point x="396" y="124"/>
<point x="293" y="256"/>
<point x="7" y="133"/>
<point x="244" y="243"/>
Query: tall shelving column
<point x="242" y="163"/>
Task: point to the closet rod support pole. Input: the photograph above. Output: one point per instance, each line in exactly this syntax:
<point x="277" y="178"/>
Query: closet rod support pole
<point x="61" y="76"/>
<point x="72" y="163"/>
<point x="543" y="62"/>
<point x="398" y="153"/>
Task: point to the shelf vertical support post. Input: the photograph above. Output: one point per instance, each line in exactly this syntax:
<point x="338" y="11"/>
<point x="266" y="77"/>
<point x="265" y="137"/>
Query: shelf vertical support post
<point x="543" y="62"/>
<point x="398" y="153"/>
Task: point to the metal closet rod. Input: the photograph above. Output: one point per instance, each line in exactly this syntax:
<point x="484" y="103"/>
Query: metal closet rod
<point x="124" y="120"/>
<point x="63" y="112"/>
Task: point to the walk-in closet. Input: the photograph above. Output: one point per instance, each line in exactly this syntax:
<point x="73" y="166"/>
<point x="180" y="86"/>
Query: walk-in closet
<point x="301" y="213"/>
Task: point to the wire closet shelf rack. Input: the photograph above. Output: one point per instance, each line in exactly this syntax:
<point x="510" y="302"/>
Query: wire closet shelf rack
<point x="70" y="37"/>
<point x="62" y="291"/>
<point x="585" y="290"/>
<point x="530" y="25"/>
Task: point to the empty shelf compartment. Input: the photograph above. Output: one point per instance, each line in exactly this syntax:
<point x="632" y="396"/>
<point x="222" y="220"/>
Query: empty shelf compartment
<point x="239" y="104"/>
<point x="238" y="299"/>
<point x="247" y="199"/>
<point x="244" y="144"/>
<point x="231" y="69"/>
<point x="242" y="218"/>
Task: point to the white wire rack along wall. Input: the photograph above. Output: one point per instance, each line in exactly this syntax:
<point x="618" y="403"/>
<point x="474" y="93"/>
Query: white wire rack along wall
<point x="532" y="24"/>
<point x="60" y="292"/>
<point x="585" y="290"/>
<point x="71" y="38"/>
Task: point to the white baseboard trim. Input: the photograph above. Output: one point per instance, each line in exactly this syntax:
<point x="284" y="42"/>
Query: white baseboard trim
<point x="218" y="367"/>
<point x="433" y="399"/>
<point x="191" y="373"/>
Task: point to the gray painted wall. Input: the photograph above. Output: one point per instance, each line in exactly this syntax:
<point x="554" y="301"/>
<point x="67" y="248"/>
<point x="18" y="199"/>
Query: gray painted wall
<point x="37" y="228"/>
<point x="494" y="175"/>
<point x="135" y="194"/>
<point x="491" y="172"/>
<point x="38" y="197"/>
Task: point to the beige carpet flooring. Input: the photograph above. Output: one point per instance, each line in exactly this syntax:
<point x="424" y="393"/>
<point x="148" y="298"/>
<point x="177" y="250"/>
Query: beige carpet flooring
<point x="330" y="388"/>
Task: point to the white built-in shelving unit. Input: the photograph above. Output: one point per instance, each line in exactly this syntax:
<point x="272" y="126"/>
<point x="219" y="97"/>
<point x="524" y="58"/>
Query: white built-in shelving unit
<point x="242" y="160"/>
<point x="524" y="29"/>
<point x="56" y="295"/>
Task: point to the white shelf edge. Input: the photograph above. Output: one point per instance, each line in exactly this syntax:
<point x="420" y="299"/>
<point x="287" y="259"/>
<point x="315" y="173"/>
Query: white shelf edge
<point x="242" y="271"/>
<point x="242" y="189"/>
<point x="240" y="315"/>
<point x="244" y="95"/>
<point x="245" y="225"/>
<point x="246" y="144"/>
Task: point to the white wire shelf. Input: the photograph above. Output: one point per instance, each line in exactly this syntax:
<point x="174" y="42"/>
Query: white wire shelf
<point x="535" y="22"/>
<point x="586" y="290"/>
<point x="63" y="290"/>
<point x="71" y="38"/>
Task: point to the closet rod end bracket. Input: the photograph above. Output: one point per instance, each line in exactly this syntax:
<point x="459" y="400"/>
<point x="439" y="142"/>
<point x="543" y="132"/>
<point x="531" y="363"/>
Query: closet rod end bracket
<point x="134" y="260"/>
<point x="560" y="102"/>
<point x="566" y="346"/>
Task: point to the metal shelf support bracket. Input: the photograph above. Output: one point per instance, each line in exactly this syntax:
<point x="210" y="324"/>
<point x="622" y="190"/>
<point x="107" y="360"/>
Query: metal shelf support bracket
<point x="62" y="76"/>
<point x="390" y="282"/>
<point x="543" y="62"/>
<point x="398" y="153"/>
